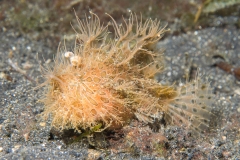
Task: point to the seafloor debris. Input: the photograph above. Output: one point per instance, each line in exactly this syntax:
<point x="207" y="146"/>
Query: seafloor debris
<point x="229" y="68"/>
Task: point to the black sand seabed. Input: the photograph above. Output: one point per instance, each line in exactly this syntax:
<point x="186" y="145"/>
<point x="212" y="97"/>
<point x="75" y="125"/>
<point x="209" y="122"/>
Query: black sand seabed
<point x="23" y="137"/>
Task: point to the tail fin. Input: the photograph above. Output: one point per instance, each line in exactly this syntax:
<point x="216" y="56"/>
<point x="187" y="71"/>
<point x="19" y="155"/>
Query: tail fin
<point x="192" y="107"/>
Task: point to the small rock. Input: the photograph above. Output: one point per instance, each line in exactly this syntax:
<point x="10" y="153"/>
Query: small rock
<point x="42" y="124"/>
<point x="93" y="154"/>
